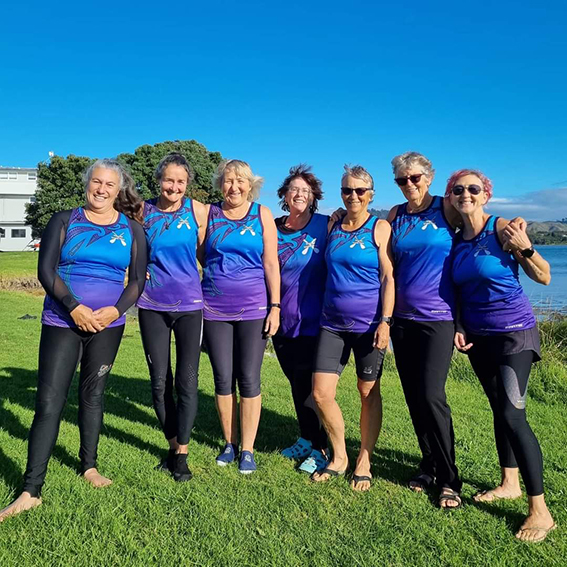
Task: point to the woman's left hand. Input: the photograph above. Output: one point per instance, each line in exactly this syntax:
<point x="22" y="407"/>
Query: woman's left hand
<point x="382" y="336"/>
<point x="338" y="214"/>
<point x="106" y="315"/>
<point x="272" y="323"/>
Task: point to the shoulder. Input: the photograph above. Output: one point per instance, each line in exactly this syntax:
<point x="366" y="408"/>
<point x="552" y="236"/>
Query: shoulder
<point x="393" y="213"/>
<point x="201" y="210"/>
<point x="501" y="224"/>
<point x="382" y="230"/>
<point x="136" y="227"/>
<point x="265" y="213"/>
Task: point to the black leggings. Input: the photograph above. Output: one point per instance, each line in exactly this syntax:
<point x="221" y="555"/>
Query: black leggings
<point x="60" y="351"/>
<point x="236" y="350"/>
<point x="296" y="357"/>
<point x="505" y="381"/>
<point x="423" y="352"/>
<point x="156" y="328"/>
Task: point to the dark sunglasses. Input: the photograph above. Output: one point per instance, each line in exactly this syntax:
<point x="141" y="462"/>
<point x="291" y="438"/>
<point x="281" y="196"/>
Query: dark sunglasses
<point x="403" y="181"/>
<point x="472" y="189"/>
<point x="360" y="191"/>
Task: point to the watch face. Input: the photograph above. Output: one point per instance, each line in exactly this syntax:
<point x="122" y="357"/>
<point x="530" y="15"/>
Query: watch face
<point x="528" y="252"/>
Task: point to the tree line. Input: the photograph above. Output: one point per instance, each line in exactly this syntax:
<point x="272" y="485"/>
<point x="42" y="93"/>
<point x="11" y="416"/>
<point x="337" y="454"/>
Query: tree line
<point x="60" y="185"/>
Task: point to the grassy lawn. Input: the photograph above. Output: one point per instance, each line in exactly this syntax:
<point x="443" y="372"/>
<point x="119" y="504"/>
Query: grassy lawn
<point x="18" y="264"/>
<point x="277" y="516"/>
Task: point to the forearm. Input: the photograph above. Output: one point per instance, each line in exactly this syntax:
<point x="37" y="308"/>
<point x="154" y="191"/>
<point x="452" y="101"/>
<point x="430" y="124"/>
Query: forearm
<point x="536" y="267"/>
<point x="388" y="295"/>
<point x="272" y="273"/>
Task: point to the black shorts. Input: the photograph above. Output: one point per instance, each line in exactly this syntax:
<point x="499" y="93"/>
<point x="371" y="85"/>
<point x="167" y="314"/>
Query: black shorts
<point x="333" y="352"/>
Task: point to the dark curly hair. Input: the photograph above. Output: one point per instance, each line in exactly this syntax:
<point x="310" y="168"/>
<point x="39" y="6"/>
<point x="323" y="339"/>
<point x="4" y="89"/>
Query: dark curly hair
<point x="174" y="159"/>
<point x="302" y="171"/>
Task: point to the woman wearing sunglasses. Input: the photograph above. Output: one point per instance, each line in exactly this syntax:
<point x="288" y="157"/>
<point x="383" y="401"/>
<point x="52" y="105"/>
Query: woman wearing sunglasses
<point x="357" y="310"/>
<point x="423" y="331"/>
<point x="499" y="334"/>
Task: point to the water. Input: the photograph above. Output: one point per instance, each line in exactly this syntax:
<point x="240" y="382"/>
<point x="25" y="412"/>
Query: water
<point x="554" y="296"/>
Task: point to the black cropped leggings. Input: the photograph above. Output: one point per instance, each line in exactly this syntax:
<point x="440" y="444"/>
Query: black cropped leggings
<point x="236" y="350"/>
<point x="505" y="381"/>
<point x="60" y="351"/>
<point x="297" y="357"/>
<point x="176" y="420"/>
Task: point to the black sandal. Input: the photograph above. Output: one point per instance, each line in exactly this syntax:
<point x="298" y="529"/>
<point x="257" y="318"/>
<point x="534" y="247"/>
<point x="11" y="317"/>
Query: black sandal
<point x="452" y="496"/>
<point x="422" y="480"/>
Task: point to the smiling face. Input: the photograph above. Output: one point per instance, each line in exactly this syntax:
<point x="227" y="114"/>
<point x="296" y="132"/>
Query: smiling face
<point x="355" y="203"/>
<point x="467" y="203"/>
<point x="102" y="190"/>
<point x="235" y="188"/>
<point x="298" y="197"/>
<point x="173" y="184"/>
<point x="414" y="192"/>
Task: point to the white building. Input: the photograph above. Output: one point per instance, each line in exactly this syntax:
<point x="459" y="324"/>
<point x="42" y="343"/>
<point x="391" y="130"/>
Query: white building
<point x="17" y="187"/>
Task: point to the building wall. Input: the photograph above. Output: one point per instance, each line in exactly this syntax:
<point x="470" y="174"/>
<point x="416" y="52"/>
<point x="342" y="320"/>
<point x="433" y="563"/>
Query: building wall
<point x="17" y="187"/>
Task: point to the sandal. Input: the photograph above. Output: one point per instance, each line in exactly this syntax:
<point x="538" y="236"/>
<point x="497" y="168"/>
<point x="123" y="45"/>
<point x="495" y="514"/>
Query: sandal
<point x="449" y="495"/>
<point x="421" y="482"/>
<point x="331" y="472"/>
<point x="544" y="533"/>
<point x="356" y="478"/>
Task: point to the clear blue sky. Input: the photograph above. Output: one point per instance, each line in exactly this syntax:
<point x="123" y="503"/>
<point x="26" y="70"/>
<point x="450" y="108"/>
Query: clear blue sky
<point x="469" y="84"/>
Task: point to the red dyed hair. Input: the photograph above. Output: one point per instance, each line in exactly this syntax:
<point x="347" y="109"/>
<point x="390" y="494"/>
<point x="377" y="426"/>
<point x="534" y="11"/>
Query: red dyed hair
<point x="452" y="181"/>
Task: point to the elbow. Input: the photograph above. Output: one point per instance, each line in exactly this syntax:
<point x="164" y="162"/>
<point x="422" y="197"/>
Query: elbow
<point x="546" y="280"/>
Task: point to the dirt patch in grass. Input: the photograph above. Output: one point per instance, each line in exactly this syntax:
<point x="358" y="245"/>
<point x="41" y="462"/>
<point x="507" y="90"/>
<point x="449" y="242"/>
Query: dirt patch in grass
<point x="29" y="283"/>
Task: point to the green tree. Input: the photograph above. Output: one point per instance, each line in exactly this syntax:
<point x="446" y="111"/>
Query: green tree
<point x="60" y="184"/>
<point x="59" y="187"/>
<point x="144" y="160"/>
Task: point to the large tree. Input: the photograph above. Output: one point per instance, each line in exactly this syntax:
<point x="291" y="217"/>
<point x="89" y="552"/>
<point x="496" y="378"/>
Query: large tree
<point x="60" y="184"/>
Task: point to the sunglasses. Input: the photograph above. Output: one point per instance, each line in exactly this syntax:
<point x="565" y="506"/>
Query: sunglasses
<point x="472" y="189"/>
<point x="403" y="181"/>
<point x="360" y="191"/>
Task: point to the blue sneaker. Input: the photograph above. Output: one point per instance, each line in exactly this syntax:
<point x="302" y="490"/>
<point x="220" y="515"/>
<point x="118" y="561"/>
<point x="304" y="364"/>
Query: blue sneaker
<point x="228" y="455"/>
<point x="316" y="461"/>
<point x="247" y="464"/>
<point x="299" y="450"/>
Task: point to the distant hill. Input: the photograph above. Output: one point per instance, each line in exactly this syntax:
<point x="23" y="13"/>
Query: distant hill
<point x="380" y="213"/>
<point x="550" y="232"/>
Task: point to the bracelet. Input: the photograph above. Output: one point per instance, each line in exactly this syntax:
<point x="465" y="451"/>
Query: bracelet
<point x="278" y="305"/>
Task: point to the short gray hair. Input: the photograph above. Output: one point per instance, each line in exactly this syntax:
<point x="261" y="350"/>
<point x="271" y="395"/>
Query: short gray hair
<point x="406" y="160"/>
<point x="358" y="172"/>
<point x="243" y="169"/>
<point x="126" y="181"/>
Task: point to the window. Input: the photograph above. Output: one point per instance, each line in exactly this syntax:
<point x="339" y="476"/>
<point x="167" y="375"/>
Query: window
<point x="32" y="199"/>
<point x="32" y="176"/>
<point x="2" y="233"/>
<point x="3" y="175"/>
<point x="12" y="175"/>
<point x="18" y="233"/>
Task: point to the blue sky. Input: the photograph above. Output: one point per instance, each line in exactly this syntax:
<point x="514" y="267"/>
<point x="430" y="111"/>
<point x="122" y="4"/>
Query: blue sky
<point x="469" y="84"/>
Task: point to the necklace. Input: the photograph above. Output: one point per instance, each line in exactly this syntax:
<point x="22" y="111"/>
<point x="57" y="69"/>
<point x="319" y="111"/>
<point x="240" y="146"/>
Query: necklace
<point x="112" y="219"/>
<point x="425" y="203"/>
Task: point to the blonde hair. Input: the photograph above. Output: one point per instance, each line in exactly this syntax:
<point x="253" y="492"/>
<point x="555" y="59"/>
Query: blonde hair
<point x="242" y="169"/>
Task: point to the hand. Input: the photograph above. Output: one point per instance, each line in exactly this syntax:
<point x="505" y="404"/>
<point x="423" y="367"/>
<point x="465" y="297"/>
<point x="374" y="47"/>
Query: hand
<point x="460" y="342"/>
<point x="105" y="315"/>
<point x="272" y="323"/>
<point x="382" y="335"/>
<point x="84" y="319"/>
<point x="514" y="235"/>
<point x="338" y="214"/>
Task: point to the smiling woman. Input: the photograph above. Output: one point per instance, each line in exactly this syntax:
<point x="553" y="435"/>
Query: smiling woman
<point x="82" y="264"/>
<point x="241" y="270"/>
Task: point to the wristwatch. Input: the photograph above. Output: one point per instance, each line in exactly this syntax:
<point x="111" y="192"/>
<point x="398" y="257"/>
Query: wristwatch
<point x="527" y="252"/>
<point x="388" y="320"/>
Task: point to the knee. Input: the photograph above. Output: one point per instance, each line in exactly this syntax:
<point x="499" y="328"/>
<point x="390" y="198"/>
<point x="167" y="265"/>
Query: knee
<point x="187" y="385"/>
<point x="369" y="391"/>
<point x="51" y="406"/>
<point x="434" y="398"/>
<point x="224" y="385"/>
<point x="322" y="395"/>
<point x="249" y="386"/>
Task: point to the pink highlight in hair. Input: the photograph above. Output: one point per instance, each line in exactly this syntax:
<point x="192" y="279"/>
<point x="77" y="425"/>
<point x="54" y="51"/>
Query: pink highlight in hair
<point x="452" y="181"/>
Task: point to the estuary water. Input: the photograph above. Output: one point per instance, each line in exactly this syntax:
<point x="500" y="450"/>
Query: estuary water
<point x="554" y="296"/>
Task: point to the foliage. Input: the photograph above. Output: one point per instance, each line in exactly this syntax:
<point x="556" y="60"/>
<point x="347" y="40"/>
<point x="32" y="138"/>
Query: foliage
<point x="60" y="185"/>
<point x="548" y="238"/>
<point x="380" y="213"/>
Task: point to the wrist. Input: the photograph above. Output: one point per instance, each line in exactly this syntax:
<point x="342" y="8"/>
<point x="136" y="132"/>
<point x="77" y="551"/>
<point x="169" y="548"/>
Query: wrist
<point x="274" y="305"/>
<point x="387" y="320"/>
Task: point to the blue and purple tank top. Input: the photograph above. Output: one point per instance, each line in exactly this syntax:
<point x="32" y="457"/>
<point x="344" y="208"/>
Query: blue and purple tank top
<point x="352" y="293"/>
<point x="92" y="264"/>
<point x="491" y="297"/>
<point x="174" y="283"/>
<point x="421" y="245"/>
<point x="234" y="285"/>
<point x="301" y="255"/>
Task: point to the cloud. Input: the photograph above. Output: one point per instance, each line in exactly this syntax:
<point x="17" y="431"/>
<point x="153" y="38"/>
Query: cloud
<point x="544" y="205"/>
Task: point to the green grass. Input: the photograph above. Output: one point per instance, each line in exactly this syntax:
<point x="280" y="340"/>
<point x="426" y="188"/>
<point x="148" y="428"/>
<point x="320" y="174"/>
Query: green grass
<point x="18" y="264"/>
<point x="275" y="517"/>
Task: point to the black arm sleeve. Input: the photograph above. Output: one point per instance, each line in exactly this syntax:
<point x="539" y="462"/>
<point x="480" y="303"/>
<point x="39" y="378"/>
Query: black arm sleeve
<point x="136" y="270"/>
<point x="49" y="253"/>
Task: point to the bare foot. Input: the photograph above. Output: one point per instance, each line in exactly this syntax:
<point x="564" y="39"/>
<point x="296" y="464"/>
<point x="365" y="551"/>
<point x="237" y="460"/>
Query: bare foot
<point x="536" y="527"/>
<point x="421" y="482"/>
<point x="97" y="480"/>
<point x="501" y="492"/>
<point x="25" y="501"/>
<point x="339" y="468"/>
